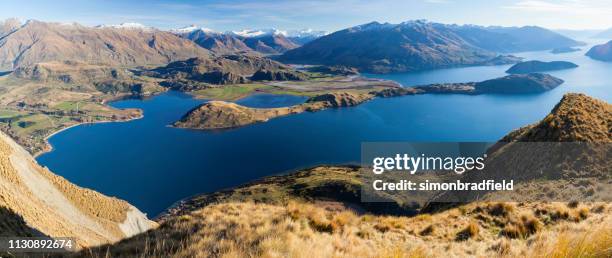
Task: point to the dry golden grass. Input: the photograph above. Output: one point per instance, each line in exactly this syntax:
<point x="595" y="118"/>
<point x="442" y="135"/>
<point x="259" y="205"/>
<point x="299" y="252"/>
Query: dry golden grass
<point x="50" y="204"/>
<point x="301" y="229"/>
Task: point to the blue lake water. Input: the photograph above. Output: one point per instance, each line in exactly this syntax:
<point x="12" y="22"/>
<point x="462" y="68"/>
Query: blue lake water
<point x="152" y="165"/>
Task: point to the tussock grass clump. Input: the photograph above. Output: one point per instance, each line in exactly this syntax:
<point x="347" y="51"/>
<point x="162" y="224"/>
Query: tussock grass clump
<point x="525" y="226"/>
<point x="501" y="209"/>
<point x="301" y="229"/>
<point x="592" y="242"/>
<point x="470" y="231"/>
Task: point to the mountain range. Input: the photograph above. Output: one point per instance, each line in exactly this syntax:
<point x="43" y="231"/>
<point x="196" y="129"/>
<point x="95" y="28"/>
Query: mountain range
<point x="422" y="45"/>
<point x="270" y="41"/>
<point x="35" y="42"/>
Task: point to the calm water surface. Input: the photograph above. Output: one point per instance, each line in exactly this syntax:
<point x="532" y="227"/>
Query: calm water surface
<point x="152" y="165"/>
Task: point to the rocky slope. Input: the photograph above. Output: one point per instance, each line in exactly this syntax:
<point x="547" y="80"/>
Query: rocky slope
<point x="601" y="52"/>
<point x="37" y="202"/>
<point x="37" y="42"/>
<point x="539" y="66"/>
<point x="223" y="115"/>
<point x="421" y="45"/>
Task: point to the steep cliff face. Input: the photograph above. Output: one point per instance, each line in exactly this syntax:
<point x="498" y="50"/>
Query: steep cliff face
<point x="34" y="201"/>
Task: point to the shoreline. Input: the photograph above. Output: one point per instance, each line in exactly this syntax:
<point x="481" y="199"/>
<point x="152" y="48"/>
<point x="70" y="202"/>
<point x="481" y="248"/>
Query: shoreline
<point x="49" y="147"/>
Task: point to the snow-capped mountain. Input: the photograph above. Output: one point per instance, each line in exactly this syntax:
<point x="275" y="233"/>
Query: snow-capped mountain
<point x="304" y="33"/>
<point x="250" y="33"/>
<point x="126" y="25"/>
<point x="192" y="28"/>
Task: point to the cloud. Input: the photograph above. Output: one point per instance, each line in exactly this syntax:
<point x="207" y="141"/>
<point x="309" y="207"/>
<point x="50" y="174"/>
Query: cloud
<point x="564" y="6"/>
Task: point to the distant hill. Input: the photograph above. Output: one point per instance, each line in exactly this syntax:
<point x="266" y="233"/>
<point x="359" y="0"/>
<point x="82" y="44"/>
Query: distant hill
<point x="513" y="39"/>
<point x="606" y="34"/>
<point x="36" y="42"/>
<point x="384" y="48"/>
<point x="601" y="52"/>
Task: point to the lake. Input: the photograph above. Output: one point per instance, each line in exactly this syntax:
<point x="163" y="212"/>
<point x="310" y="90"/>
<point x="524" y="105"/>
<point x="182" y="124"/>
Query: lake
<point x="152" y="165"/>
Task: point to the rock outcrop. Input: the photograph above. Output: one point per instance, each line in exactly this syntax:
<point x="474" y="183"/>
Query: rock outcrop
<point x="539" y="66"/>
<point x="37" y="202"/>
<point x="601" y="52"/>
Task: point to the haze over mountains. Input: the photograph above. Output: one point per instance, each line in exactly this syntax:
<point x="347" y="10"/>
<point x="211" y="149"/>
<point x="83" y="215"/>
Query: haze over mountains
<point x="420" y="45"/>
<point x="606" y="34"/>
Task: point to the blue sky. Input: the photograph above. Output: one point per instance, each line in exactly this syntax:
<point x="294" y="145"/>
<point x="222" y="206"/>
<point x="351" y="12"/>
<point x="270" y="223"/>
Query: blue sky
<point x="329" y="15"/>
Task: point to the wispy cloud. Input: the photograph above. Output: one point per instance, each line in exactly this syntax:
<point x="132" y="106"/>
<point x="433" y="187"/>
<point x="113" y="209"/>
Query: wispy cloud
<point x="564" y="6"/>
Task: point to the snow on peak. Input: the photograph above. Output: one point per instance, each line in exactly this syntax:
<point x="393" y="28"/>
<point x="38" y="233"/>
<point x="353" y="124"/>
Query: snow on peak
<point x="125" y="25"/>
<point x="304" y="33"/>
<point x="371" y="26"/>
<point x="192" y="28"/>
<point x="248" y="33"/>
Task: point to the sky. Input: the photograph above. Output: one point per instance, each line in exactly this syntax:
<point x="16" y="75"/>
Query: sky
<point x="328" y="15"/>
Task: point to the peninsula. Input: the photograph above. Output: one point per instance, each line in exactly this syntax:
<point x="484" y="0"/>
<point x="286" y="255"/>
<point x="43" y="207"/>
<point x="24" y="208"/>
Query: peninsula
<point x="223" y="115"/>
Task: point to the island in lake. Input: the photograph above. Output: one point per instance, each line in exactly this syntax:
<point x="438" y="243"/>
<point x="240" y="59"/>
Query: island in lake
<point x="540" y="66"/>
